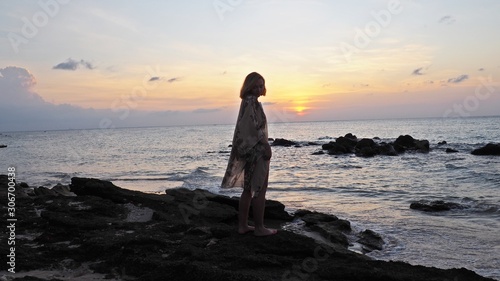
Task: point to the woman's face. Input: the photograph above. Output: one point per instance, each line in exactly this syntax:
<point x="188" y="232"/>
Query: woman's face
<point x="258" y="88"/>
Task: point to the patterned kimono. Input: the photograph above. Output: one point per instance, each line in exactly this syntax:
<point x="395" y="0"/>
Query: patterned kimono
<point x="247" y="167"/>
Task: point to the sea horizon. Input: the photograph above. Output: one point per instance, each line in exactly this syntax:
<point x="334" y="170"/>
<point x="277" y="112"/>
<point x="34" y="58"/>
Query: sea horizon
<point x="270" y="122"/>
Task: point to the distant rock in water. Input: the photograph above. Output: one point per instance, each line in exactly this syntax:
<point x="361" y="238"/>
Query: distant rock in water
<point x="451" y="150"/>
<point x="370" y="241"/>
<point x="366" y="148"/>
<point x="284" y="142"/>
<point x="435" y="206"/>
<point x="407" y="142"/>
<point x="3" y="145"/>
<point x="371" y="147"/>
<point x="489" y="149"/>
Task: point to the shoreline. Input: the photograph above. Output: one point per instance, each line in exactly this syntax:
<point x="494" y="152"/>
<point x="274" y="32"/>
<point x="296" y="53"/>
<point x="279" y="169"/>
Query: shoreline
<point x="94" y="228"/>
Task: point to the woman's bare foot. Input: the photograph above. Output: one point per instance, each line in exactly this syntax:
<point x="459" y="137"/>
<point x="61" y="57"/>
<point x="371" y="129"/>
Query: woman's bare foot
<point x="244" y="230"/>
<point x="265" y="231"/>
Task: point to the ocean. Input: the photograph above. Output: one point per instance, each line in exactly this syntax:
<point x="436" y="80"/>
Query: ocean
<point x="372" y="193"/>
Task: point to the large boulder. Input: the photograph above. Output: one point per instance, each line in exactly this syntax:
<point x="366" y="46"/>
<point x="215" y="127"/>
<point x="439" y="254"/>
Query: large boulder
<point x="335" y="148"/>
<point x="387" y="149"/>
<point x="366" y="148"/>
<point x="370" y="240"/>
<point x="407" y="142"/>
<point x="435" y="206"/>
<point x="349" y="142"/>
<point x="283" y="142"/>
<point x="489" y="149"/>
<point x="329" y="227"/>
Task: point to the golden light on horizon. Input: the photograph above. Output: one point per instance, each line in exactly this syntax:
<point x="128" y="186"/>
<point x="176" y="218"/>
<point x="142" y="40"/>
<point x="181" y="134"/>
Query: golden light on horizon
<point x="300" y="110"/>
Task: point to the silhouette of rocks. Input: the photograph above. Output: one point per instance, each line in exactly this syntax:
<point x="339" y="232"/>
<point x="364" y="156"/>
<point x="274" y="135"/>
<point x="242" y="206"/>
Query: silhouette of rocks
<point x="435" y="206"/>
<point x="407" y="142"/>
<point x="387" y="149"/>
<point x="182" y="235"/>
<point x="489" y="149"/>
<point x="370" y="241"/>
<point x="366" y="147"/>
<point x="284" y="142"/>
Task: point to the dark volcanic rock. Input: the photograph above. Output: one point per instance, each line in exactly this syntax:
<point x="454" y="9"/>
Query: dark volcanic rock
<point x="190" y="235"/>
<point x="369" y="147"/>
<point x="347" y="142"/>
<point x="489" y="149"/>
<point x="435" y="206"/>
<point x="342" y="145"/>
<point x="387" y="149"/>
<point x="366" y="148"/>
<point x="451" y="150"/>
<point x="329" y="226"/>
<point x="350" y="136"/>
<point x="284" y="142"/>
<point x="370" y="240"/>
<point x="335" y="148"/>
<point x="422" y="145"/>
<point x="407" y="142"/>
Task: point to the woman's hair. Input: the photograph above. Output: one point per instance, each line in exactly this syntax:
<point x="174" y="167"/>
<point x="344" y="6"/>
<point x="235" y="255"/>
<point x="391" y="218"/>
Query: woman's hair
<point x="250" y="82"/>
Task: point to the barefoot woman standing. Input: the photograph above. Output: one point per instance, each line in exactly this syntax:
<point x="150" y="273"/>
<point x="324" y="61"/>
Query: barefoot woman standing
<point x="248" y="165"/>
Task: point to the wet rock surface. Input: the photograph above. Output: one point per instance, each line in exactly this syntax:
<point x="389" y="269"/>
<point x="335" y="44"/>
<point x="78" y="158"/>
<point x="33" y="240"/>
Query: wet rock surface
<point x="181" y="235"/>
<point x="435" y="206"/>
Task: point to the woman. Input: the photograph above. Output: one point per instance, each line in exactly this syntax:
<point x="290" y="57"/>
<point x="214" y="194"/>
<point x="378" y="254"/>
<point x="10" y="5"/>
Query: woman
<point x="248" y="164"/>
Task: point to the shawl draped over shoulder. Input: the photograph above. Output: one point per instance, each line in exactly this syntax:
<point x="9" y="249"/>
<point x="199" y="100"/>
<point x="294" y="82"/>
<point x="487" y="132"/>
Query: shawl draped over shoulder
<point x="247" y="167"/>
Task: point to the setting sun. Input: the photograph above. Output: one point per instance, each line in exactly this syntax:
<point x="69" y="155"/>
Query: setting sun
<point x="300" y="110"/>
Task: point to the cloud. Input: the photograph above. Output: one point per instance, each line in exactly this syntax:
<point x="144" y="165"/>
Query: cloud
<point x="447" y="20"/>
<point x="16" y="86"/>
<point x="417" y="71"/>
<point x="269" y="103"/>
<point x="171" y="80"/>
<point x="458" y="79"/>
<point x="206" y="110"/>
<point x="71" y="64"/>
<point x="22" y="109"/>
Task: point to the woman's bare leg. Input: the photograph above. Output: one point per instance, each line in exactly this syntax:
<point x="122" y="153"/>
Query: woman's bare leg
<point x="244" y="207"/>
<point x="259" y="205"/>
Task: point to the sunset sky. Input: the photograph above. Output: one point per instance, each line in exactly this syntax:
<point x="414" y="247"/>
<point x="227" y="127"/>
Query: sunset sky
<point x="68" y="64"/>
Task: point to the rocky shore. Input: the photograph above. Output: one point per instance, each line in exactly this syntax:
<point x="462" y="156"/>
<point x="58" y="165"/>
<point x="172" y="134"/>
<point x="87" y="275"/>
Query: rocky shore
<point x="366" y="147"/>
<point x="94" y="230"/>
